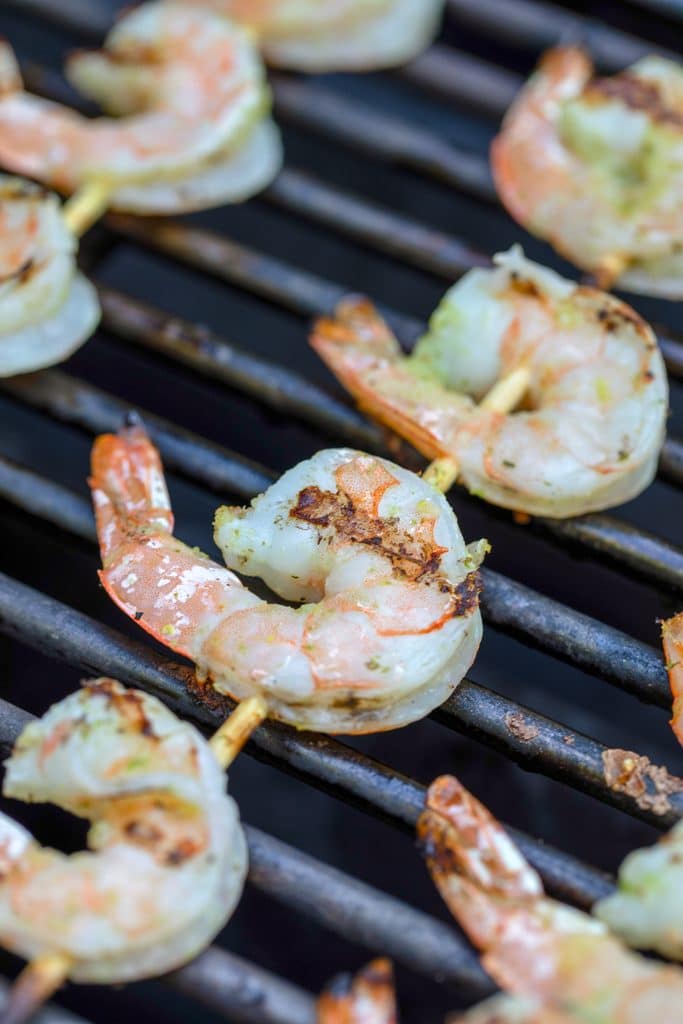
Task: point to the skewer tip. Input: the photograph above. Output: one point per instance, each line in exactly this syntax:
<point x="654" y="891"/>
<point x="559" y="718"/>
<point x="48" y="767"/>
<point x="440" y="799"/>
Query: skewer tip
<point x="36" y="983"/>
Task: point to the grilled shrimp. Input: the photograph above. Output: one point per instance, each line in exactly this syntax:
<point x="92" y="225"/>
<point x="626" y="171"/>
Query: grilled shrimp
<point x="534" y="947"/>
<point x="167" y="857"/>
<point x="191" y="96"/>
<point x="367" y="998"/>
<point x="47" y="309"/>
<point x="595" y="166"/>
<point x="590" y="432"/>
<point x="396" y="624"/>
<point x="647" y="908"/>
<point x="342" y="35"/>
<point x="672" y="639"/>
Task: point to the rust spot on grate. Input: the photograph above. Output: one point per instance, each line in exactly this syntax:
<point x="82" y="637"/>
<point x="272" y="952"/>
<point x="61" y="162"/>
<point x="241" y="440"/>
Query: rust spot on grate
<point x="520" y="728"/>
<point x="650" y="785"/>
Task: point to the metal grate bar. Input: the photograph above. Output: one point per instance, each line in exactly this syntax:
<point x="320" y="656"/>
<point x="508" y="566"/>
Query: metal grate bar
<point x="426" y="248"/>
<point x="61" y="632"/>
<point x="362" y="914"/>
<point x="244" y="993"/>
<point x="533" y="740"/>
<point x="530" y="24"/>
<point x="541" y="621"/>
<point x="461" y="78"/>
<point x="381" y="136"/>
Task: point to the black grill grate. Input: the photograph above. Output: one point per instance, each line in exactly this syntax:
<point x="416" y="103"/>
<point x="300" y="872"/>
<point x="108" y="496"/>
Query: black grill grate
<point x="366" y="126"/>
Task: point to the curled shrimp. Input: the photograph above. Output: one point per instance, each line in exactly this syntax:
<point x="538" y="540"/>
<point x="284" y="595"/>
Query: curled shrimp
<point x="191" y="97"/>
<point x="167" y="857"/>
<point x="338" y="35"/>
<point x="532" y="946"/>
<point x="367" y="998"/>
<point x="396" y="624"/>
<point x="595" y="165"/>
<point x="47" y="309"/>
<point x="647" y="908"/>
<point x="672" y="640"/>
<point x="592" y="424"/>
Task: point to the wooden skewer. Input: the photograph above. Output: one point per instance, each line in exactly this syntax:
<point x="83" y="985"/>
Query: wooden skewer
<point x="610" y="269"/>
<point x="236" y="730"/>
<point x="86" y="206"/>
<point x="502" y="398"/>
<point x="41" y="978"/>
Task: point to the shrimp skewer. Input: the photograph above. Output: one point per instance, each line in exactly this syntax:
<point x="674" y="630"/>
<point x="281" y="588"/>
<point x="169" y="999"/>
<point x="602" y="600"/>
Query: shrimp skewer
<point x="532" y="946"/>
<point x="388" y="622"/>
<point x="595" y="165"/>
<point x="168" y="856"/>
<point x="191" y="97"/>
<point x="342" y="35"/>
<point x="367" y="998"/>
<point x="672" y="640"/>
<point x="587" y="367"/>
<point x="47" y="309"/>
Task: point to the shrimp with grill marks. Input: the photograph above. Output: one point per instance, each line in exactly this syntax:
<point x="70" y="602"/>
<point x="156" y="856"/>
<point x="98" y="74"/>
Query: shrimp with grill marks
<point x="591" y="424"/>
<point x="387" y="621"/>
<point x="167" y="857"/>
<point x="535" y="948"/>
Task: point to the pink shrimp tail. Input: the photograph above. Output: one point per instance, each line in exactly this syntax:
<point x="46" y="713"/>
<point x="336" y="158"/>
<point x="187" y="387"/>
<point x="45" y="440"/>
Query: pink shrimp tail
<point x="672" y="641"/>
<point x="128" y="487"/>
<point x="368" y="998"/>
<point x="476" y="867"/>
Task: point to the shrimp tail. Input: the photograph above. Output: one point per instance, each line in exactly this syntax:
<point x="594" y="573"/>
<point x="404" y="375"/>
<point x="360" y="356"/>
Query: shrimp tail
<point x="474" y="864"/>
<point x="672" y="641"/>
<point x="129" y="489"/>
<point x="367" y="998"/>
<point x="360" y="349"/>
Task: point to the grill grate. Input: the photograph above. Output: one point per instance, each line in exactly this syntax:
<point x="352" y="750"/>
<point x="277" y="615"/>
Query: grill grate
<point x="645" y="563"/>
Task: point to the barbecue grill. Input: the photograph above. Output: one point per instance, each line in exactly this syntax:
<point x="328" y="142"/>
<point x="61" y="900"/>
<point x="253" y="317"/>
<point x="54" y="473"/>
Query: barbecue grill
<point x="204" y="332"/>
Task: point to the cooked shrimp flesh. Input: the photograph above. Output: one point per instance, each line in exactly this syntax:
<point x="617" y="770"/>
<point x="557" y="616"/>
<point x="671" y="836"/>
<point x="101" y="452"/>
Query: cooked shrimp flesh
<point x="590" y="429"/>
<point x="647" y="908"/>
<point x="189" y="91"/>
<point x="47" y="309"/>
<point x="672" y="640"/>
<point x="342" y="35"/>
<point x="367" y="998"/>
<point x="595" y="166"/>
<point x="532" y="946"/>
<point x="388" y="619"/>
<point x="167" y="856"/>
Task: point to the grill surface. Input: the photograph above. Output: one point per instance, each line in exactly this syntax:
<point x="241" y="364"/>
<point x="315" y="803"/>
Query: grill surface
<point x="387" y="190"/>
